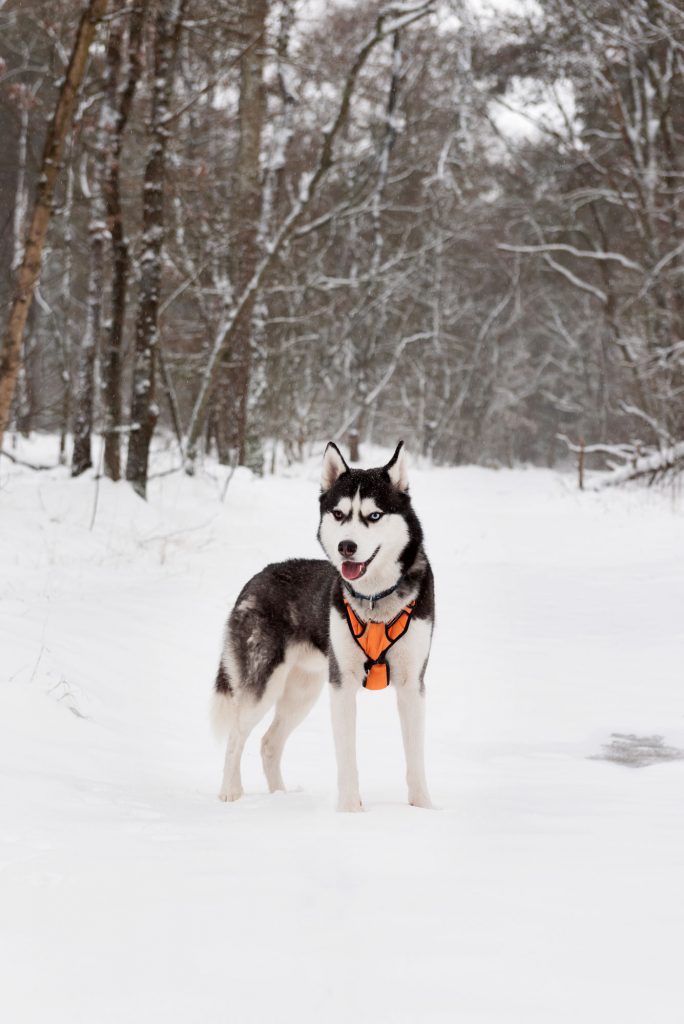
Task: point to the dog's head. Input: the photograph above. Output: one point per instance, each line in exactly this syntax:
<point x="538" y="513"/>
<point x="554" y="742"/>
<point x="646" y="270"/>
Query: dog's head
<point x="368" y="528"/>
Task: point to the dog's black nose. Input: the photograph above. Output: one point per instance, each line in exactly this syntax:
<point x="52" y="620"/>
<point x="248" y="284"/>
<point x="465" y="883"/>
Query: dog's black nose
<point x="347" y="548"/>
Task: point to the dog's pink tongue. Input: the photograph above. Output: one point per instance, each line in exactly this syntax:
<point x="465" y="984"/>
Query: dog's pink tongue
<point x="352" y="570"/>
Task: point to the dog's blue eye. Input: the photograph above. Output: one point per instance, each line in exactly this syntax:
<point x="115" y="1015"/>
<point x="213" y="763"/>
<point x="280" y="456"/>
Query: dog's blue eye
<point x="337" y="514"/>
<point x="374" y="516"/>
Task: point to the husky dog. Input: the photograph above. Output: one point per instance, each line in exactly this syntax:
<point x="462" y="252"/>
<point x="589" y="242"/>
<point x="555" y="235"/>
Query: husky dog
<point x="364" y="617"/>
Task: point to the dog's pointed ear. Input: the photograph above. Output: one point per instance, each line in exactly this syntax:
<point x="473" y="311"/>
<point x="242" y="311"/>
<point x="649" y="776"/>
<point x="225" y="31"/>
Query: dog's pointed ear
<point x="397" y="468"/>
<point x="333" y="466"/>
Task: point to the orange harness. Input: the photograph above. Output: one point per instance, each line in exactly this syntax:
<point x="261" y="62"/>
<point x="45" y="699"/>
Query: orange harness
<point x="375" y="639"/>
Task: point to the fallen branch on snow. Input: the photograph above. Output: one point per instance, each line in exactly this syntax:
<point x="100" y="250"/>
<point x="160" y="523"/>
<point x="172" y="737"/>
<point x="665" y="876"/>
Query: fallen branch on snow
<point x="654" y="465"/>
<point x="631" y="461"/>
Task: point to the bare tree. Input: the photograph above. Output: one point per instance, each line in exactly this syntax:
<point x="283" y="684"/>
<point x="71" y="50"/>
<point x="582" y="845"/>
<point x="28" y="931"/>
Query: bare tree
<point x="247" y="205"/>
<point x="29" y="271"/>
<point x="97" y="236"/>
<point x="340" y="237"/>
<point x="389" y="21"/>
<point x="144" y="410"/>
<point x="606" y="220"/>
<point x="112" y="355"/>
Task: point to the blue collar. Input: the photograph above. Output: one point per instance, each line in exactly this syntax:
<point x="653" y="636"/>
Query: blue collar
<point x="373" y="597"/>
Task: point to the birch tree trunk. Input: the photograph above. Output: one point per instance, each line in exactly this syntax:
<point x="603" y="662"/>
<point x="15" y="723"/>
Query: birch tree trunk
<point x="144" y="410"/>
<point x="29" y="271"/>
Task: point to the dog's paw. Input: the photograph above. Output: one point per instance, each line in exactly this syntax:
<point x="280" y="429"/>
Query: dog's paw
<point x="349" y="804"/>
<point x="230" y="795"/>
<point x="421" y="800"/>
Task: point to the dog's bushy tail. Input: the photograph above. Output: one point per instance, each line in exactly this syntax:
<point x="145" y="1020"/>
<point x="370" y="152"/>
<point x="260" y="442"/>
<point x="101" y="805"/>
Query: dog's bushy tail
<point x="221" y="710"/>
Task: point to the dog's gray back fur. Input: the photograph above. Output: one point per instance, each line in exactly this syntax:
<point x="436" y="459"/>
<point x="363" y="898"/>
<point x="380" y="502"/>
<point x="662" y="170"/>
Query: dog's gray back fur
<point x="285" y="603"/>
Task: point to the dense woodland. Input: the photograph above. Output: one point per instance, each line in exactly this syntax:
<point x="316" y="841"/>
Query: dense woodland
<point x="280" y="221"/>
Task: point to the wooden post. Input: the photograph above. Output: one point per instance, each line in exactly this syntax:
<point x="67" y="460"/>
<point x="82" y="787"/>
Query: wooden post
<point x="353" y="442"/>
<point x="580" y="464"/>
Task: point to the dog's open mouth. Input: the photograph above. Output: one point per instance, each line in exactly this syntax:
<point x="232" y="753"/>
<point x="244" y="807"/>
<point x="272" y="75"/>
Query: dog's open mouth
<point x="353" y="570"/>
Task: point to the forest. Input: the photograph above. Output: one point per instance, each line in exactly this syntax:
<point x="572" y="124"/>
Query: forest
<point x="232" y="231"/>
<point x="247" y="226"/>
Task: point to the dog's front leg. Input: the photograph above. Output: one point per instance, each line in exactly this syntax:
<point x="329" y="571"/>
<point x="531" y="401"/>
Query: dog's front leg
<point x="411" y="705"/>
<point x="343" y="708"/>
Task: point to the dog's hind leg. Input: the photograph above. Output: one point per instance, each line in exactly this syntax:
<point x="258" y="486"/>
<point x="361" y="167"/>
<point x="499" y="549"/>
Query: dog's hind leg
<point x="246" y="711"/>
<point x="302" y="689"/>
<point x="239" y="730"/>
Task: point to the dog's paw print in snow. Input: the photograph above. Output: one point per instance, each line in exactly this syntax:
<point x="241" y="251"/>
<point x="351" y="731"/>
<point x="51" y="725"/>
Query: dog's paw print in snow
<point x="637" y="751"/>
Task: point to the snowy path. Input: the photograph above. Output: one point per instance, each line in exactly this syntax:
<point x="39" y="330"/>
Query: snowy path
<point x="548" y="888"/>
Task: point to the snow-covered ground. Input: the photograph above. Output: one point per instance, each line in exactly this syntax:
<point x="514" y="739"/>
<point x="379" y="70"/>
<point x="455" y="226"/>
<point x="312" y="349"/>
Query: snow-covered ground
<point x="549" y="885"/>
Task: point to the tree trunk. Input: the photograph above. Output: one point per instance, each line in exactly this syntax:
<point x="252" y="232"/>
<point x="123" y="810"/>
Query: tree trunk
<point x="29" y="271"/>
<point x="64" y="340"/>
<point x="97" y="233"/>
<point x="144" y="411"/>
<point x="111" y="359"/>
<point x="247" y="204"/>
<point x="24" y="404"/>
<point x="85" y="377"/>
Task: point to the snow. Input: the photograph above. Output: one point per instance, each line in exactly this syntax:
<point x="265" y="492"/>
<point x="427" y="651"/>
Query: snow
<point x="546" y="887"/>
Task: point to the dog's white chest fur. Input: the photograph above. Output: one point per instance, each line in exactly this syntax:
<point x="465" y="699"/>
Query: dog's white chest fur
<point x="407" y="657"/>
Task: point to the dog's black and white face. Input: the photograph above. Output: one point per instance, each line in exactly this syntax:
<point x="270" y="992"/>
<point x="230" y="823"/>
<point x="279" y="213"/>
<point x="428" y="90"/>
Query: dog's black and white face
<point x="368" y="528"/>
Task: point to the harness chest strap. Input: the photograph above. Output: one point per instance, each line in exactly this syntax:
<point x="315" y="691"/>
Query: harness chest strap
<point x="375" y="639"/>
